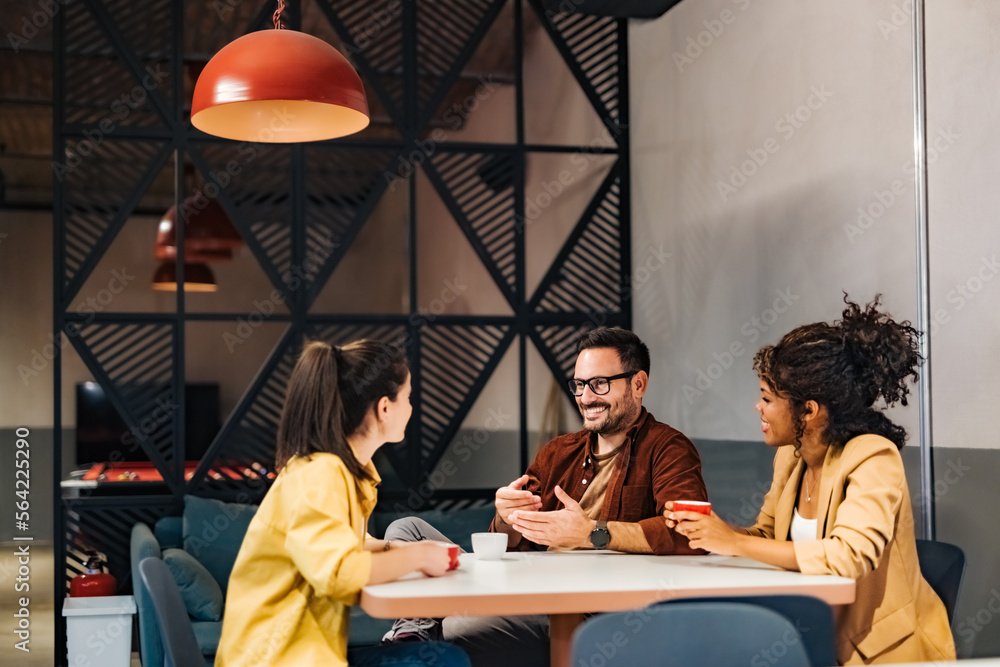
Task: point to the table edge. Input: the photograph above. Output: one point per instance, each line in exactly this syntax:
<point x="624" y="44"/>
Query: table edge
<point x="838" y="593"/>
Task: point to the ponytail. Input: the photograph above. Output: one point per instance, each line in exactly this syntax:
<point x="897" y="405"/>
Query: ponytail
<point x="330" y="392"/>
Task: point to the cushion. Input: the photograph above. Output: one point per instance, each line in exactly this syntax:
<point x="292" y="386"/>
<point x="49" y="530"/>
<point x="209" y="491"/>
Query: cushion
<point x="168" y="531"/>
<point x="199" y="589"/>
<point x="213" y="532"/>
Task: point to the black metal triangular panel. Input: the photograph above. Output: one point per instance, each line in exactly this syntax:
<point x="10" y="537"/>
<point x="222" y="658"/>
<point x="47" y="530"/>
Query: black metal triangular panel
<point x="95" y="208"/>
<point x="147" y="29"/>
<point x="247" y="439"/>
<point x="455" y="363"/>
<point x="586" y="274"/>
<point x="478" y="189"/>
<point x="448" y="32"/>
<point x="373" y="39"/>
<point x="134" y="364"/>
<point x="557" y="345"/>
<point x="255" y="194"/>
<point x="593" y="49"/>
<point x="133" y="87"/>
<point x="343" y="185"/>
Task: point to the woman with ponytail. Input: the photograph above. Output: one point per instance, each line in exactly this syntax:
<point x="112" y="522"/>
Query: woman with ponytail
<point x="306" y="554"/>
<point x="838" y="502"/>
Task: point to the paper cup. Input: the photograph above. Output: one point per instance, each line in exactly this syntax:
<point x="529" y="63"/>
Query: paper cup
<point x="699" y="506"/>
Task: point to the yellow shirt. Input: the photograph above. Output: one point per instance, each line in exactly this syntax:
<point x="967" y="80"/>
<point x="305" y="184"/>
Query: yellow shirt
<point x="301" y="565"/>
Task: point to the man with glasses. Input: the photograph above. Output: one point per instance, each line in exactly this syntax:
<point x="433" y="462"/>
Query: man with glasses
<point x="604" y="487"/>
<point x="601" y="488"/>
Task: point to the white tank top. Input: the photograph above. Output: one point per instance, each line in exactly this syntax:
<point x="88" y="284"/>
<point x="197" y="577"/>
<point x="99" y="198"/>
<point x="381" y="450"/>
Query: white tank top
<point x="803" y="530"/>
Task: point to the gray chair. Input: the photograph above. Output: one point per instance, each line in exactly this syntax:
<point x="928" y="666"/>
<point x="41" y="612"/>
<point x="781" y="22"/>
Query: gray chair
<point x="686" y="633"/>
<point x="943" y="566"/>
<point x="179" y="644"/>
<point x="812" y="617"/>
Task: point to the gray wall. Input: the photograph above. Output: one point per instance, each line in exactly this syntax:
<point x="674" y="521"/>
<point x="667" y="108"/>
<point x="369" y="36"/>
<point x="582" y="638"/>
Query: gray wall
<point x="773" y="157"/>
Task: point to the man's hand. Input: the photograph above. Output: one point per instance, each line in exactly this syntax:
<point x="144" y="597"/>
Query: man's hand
<point x="513" y="497"/>
<point x="566" y="528"/>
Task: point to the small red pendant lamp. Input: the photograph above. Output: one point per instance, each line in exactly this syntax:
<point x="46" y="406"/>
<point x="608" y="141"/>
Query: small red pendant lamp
<point x="279" y="86"/>
<point x="197" y="278"/>
<point x="209" y="236"/>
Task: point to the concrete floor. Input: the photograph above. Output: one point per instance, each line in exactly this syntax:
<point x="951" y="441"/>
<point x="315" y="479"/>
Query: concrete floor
<point x="40" y="607"/>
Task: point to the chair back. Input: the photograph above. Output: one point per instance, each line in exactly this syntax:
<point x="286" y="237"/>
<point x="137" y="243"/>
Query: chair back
<point x="812" y="617"/>
<point x="686" y="633"/>
<point x="179" y="644"/>
<point x="943" y="566"/>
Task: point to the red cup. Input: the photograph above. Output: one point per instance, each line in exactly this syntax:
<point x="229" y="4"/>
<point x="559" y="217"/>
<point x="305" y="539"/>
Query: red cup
<point x="700" y="506"/>
<point x="453" y="555"/>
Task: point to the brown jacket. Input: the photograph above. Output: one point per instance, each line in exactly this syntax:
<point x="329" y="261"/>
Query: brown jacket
<point x="657" y="463"/>
<point x="865" y="531"/>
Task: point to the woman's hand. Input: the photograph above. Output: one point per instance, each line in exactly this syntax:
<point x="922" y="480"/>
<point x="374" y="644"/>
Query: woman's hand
<point x="704" y="531"/>
<point x="432" y="557"/>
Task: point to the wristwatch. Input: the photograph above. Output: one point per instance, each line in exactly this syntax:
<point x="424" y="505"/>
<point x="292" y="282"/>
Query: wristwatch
<point x="599" y="536"/>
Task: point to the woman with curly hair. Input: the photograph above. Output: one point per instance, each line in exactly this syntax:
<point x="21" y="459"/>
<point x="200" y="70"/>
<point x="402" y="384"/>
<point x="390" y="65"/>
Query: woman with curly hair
<point x="838" y="502"/>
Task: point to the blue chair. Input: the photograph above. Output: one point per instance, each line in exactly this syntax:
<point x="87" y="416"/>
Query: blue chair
<point x="812" y="617"/>
<point x="690" y="633"/>
<point x="943" y="566"/>
<point x="179" y="644"/>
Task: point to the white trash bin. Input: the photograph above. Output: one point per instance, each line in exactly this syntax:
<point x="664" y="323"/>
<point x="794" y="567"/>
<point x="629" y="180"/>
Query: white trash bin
<point x="99" y="630"/>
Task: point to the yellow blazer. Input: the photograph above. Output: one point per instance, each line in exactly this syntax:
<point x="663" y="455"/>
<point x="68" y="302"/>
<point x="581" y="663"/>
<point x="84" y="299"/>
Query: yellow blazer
<point x="865" y="531"/>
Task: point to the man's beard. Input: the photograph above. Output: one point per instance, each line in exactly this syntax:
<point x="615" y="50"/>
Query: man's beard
<point x="619" y="417"/>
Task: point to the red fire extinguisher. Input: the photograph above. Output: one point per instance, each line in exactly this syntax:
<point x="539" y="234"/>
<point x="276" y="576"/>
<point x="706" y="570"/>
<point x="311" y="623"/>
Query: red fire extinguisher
<point x="94" y="582"/>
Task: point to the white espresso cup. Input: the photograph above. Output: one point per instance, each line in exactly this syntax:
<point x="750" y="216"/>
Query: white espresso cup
<point x="489" y="546"/>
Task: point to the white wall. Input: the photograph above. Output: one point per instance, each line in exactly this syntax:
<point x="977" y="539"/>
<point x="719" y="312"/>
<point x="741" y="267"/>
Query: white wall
<point x="759" y="129"/>
<point x="794" y="224"/>
<point x="705" y="103"/>
<point x="963" y="102"/>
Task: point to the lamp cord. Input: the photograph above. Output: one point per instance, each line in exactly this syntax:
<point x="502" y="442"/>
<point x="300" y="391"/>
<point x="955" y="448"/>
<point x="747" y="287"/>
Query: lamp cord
<point x="278" y="24"/>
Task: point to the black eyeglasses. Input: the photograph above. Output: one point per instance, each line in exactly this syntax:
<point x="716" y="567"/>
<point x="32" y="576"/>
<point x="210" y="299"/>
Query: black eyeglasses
<point x="598" y="385"/>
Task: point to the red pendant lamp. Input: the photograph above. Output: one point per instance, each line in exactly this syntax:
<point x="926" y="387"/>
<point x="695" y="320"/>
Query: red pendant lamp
<point x="279" y="86"/>
<point x="209" y="234"/>
<point x="197" y="278"/>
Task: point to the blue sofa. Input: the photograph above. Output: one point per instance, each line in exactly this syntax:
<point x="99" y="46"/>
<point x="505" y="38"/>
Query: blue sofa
<point x="210" y="532"/>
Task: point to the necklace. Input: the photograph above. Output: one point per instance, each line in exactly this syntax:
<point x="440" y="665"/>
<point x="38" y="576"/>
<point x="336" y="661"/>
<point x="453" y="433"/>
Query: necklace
<point x="808" y="491"/>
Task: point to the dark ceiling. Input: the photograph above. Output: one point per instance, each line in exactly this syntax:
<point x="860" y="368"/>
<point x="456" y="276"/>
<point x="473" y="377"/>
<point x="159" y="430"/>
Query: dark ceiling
<point x="26" y="78"/>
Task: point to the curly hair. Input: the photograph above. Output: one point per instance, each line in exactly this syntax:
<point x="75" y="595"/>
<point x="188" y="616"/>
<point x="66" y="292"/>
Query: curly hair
<point x="846" y="367"/>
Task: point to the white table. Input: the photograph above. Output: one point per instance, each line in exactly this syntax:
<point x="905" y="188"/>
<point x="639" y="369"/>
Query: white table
<point x="568" y="585"/>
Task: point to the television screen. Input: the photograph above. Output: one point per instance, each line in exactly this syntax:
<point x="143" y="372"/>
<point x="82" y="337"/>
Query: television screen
<point x="101" y="431"/>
